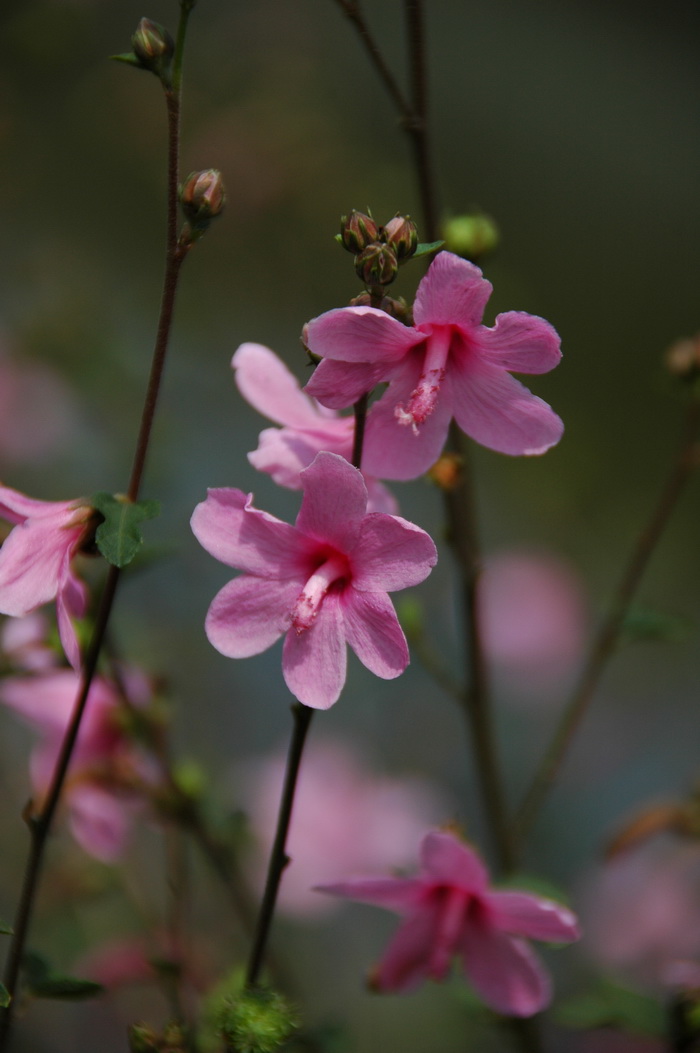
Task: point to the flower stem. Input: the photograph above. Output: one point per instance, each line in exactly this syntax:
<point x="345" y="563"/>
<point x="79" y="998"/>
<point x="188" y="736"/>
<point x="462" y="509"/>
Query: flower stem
<point x="278" y="856"/>
<point x="607" y="637"/>
<point x="40" y="824"/>
<point x="416" y="125"/>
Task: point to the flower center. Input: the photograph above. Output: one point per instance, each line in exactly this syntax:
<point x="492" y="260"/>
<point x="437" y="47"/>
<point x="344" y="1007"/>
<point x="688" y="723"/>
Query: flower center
<point x="309" y="602"/>
<point x="423" y="398"/>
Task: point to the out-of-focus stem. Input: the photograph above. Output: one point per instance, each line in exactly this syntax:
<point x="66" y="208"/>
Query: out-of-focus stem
<point x="416" y="125"/>
<point x="278" y="856"/>
<point x="607" y="637"/>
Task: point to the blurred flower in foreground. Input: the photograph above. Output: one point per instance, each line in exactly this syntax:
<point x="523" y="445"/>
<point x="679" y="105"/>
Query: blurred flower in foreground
<point x="308" y="427"/>
<point x="642" y="912"/>
<point x="450" y="911"/>
<point x="37" y="411"/>
<point x="346" y="819"/>
<point x="24" y="644"/>
<point x="36" y="557"/>
<point x="447" y="365"/>
<point x="106" y="768"/>
<point x="534" y="618"/>
<point x="321" y="584"/>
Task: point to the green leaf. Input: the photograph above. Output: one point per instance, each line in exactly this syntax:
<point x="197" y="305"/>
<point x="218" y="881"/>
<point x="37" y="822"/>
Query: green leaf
<point x="5" y="929"/>
<point x="539" y="886"/>
<point x="643" y="624"/>
<point x="611" y="1006"/>
<point x="119" y="537"/>
<point x="129" y="58"/>
<point x="425" y="249"/>
<point x="67" y="988"/>
<point x="5" y="998"/>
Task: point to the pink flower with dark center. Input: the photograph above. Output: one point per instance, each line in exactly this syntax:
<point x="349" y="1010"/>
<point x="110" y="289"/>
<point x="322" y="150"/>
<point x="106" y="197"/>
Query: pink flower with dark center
<point x="308" y="428"/>
<point x="450" y="911"/>
<point x="105" y="765"/>
<point x="35" y="560"/>
<point x="321" y="583"/>
<point x="447" y="365"/>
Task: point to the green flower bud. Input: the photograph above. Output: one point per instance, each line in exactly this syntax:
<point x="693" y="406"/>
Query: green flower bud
<point x="202" y="197"/>
<point x="143" y="1039"/>
<point x="258" y="1021"/>
<point x="153" y="47"/>
<point x="402" y="234"/>
<point x="377" y="265"/>
<point x="357" y="231"/>
<point x="471" y="236"/>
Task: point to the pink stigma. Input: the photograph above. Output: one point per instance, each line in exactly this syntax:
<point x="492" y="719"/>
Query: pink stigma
<point x="311" y="598"/>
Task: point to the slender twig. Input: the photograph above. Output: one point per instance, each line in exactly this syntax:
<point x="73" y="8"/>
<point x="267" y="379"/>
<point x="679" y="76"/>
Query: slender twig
<point x="278" y="856"/>
<point x="463" y="537"/>
<point x="352" y="10"/>
<point x="608" y="635"/>
<point x="417" y="126"/>
<point x="40" y="823"/>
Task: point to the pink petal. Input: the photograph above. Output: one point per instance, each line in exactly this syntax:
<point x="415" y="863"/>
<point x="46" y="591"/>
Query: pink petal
<point x="267" y="384"/>
<point x="527" y="915"/>
<point x="71" y="602"/>
<point x="453" y="292"/>
<point x="407" y="960"/>
<point x="399" y="894"/>
<point x="391" y="554"/>
<point x="335" y="501"/>
<point x="99" y="822"/>
<point x="340" y="384"/>
<point x="520" y="342"/>
<point x="283" y="452"/>
<point x="373" y="631"/>
<point x="496" y="410"/>
<point x="32" y="559"/>
<point x="44" y="701"/>
<point x="17" y="507"/>
<point x="505" y="972"/>
<point x="392" y="450"/>
<point x="360" y="334"/>
<point x="249" y="614"/>
<point x="314" y="661"/>
<point x="448" y="860"/>
<point x="231" y="530"/>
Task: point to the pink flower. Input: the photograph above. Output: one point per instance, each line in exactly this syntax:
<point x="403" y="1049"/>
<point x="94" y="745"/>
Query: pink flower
<point x="447" y="365"/>
<point x="346" y="818"/>
<point x="450" y="911"/>
<point x="320" y="583"/>
<point x="309" y="428"/>
<point x="99" y="792"/>
<point x="35" y="560"/>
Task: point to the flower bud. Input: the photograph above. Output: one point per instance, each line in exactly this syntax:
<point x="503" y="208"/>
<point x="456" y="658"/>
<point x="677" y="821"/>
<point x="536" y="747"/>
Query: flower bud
<point x="153" y="47"/>
<point x="357" y="231"/>
<point x="258" y="1021"/>
<point x="202" y="196"/>
<point x="448" y="471"/>
<point x="683" y="358"/>
<point x="470" y="236"/>
<point x="377" y="265"/>
<point x="402" y="234"/>
<point x="398" y="309"/>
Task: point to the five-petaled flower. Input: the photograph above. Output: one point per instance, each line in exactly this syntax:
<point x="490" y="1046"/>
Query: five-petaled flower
<point x="320" y="583"/>
<point x="450" y="911"/>
<point x="35" y="560"/>
<point x="447" y="365"/>
<point x="308" y="428"/>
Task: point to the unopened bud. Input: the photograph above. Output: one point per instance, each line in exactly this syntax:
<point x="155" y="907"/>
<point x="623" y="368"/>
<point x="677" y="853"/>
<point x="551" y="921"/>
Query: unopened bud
<point x="143" y="1039"/>
<point x="202" y="197"/>
<point x="257" y="1021"/>
<point x="402" y="234"/>
<point x="357" y="231"/>
<point x="377" y="265"/>
<point x="683" y="358"/>
<point x="447" y="472"/>
<point x="398" y="309"/>
<point x="153" y="47"/>
<point x="471" y="236"/>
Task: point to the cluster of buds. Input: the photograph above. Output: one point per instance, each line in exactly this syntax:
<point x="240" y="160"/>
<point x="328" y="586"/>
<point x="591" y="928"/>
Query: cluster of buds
<point x="378" y="250"/>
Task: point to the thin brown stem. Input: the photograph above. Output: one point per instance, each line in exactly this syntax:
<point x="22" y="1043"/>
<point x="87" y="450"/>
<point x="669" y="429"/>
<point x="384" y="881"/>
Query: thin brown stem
<point x="352" y="9"/>
<point x="608" y="635"/>
<point x="417" y="125"/>
<point x="463" y="537"/>
<point x="279" y="859"/>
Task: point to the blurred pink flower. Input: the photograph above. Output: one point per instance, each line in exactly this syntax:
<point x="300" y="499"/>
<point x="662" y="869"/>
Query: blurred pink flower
<point x="37" y="411"/>
<point x="105" y="765"/>
<point x="321" y="583"/>
<point x="266" y="383"/>
<point x="642" y="912"/>
<point x="450" y="911"/>
<point x="36" y="558"/>
<point x="25" y="645"/>
<point x="346" y="819"/>
<point x="534" y="618"/>
<point x="447" y="365"/>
